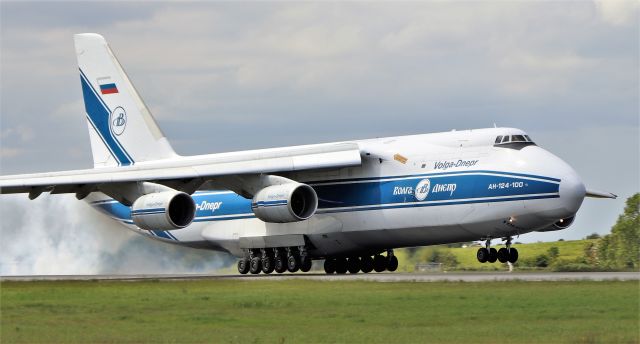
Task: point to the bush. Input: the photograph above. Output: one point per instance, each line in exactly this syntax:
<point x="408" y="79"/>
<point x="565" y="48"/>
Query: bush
<point x="575" y="267"/>
<point x="445" y="257"/>
<point x="553" y="252"/>
<point x="542" y="261"/>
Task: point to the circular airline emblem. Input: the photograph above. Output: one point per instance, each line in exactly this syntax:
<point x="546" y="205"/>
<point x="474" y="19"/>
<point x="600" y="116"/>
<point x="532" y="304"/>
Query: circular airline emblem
<point x="422" y="190"/>
<point x="118" y="120"/>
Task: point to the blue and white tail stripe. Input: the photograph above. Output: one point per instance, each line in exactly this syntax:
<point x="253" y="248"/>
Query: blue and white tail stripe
<point x="98" y="114"/>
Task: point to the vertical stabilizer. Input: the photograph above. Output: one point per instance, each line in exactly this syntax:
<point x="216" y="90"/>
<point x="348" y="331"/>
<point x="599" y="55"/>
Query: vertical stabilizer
<point x="121" y="128"/>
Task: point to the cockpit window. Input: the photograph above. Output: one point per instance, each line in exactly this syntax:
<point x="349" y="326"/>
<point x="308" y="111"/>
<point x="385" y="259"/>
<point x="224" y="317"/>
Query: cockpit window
<point x="513" y="141"/>
<point x="518" y="138"/>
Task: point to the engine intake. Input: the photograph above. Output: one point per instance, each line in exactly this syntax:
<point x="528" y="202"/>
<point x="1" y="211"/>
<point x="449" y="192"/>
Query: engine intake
<point x="165" y="210"/>
<point x="289" y="202"/>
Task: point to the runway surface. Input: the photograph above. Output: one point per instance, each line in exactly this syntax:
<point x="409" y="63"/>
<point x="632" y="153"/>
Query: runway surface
<point x="376" y="277"/>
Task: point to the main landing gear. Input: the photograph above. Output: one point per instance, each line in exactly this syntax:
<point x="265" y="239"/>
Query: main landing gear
<point x="268" y="260"/>
<point x="366" y="264"/>
<point x="503" y="255"/>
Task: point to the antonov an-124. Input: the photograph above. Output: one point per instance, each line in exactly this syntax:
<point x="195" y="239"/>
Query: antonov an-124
<point x="348" y="203"/>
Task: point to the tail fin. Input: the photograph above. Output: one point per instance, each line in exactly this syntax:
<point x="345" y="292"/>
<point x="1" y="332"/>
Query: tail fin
<point x="121" y="127"/>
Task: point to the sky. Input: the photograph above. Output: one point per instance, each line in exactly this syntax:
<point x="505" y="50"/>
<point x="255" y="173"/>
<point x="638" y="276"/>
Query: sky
<point x="226" y="76"/>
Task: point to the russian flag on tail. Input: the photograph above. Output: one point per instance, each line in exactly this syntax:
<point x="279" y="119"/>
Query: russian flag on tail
<point x="107" y="86"/>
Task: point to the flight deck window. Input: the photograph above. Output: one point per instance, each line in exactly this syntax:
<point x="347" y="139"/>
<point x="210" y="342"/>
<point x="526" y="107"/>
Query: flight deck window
<point x="528" y="138"/>
<point x="517" y="138"/>
<point x="505" y="139"/>
<point x="498" y="139"/>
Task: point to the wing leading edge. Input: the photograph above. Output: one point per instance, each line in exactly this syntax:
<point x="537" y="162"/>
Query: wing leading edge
<point x="182" y="170"/>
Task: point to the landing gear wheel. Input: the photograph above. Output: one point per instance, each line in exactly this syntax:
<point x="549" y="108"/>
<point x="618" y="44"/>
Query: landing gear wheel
<point x="503" y="255"/>
<point x="329" y="265"/>
<point x="255" y="265"/>
<point x="341" y="265"/>
<point x="268" y="265"/>
<point x="392" y="263"/>
<point x="353" y="265"/>
<point x="379" y="263"/>
<point x="482" y="255"/>
<point x="513" y="255"/>
<point x="493" y="255"/>
<point x="366" y="264"/>
<point x="280" y="264"/>
<point x="305" y="266"/>
<point x="293" y="263"/>
<point x="243" y="266"/>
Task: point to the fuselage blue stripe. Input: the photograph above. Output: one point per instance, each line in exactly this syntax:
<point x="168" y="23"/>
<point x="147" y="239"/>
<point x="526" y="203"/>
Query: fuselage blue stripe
<point x="364" y="179"/>
<point x="380" y="194"/>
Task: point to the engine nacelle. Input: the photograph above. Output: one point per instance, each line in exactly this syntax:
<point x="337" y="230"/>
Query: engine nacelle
<point x="289" y="202"/>
<point x="559" y="225"/>
<point x="165" y="210"/>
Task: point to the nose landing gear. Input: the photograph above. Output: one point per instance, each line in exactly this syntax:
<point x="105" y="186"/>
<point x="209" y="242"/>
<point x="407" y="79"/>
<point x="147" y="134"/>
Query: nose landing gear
<point x="503" y="255"/>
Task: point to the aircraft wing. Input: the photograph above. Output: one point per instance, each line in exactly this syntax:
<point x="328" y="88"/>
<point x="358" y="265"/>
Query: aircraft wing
<point x="182" y="170"/>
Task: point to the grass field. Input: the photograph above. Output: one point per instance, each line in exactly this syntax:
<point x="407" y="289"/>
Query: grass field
<point x="304" y="311"/>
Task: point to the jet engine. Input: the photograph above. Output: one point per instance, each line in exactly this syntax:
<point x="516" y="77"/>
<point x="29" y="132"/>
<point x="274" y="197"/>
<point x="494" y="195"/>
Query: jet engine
<point x="165" y="210"/>
<point x="288" y="202"/>
<point x="559" y="225"/>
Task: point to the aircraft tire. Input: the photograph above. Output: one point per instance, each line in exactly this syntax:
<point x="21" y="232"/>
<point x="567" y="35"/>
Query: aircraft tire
<point x="268" y="265"/>
<point x="392" y="263"/>
<point x="305" y="265"/>
<point x="255" y="266"/>
<point x="379" y="263"/>
<point x="503" y="255"/>
<point x="341" y="265"/>
<point x="329" y="265"/>
<point x="353" y="265"/>
<point x="482" y="255"/>
<point x="513" y="255"/>
<point x="293" y="263"/>
<point x="366" y="264"/>
<point x="243" y="266"/>
<point x="279" y="264"/>
<point x="493" y="255"/>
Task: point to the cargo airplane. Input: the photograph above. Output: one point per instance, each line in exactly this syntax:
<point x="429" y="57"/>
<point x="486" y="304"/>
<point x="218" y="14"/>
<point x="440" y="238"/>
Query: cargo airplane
<point x="348" y="203"/>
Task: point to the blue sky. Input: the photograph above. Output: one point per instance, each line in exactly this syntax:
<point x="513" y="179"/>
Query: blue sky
<point x="232" y="76"/>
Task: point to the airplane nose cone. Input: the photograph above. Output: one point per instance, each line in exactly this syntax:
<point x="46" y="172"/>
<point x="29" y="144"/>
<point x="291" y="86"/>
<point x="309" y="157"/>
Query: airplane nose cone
<point x="572" y="192"/>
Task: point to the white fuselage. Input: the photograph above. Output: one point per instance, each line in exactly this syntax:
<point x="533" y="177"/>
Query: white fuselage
<point x="409" y="191"/>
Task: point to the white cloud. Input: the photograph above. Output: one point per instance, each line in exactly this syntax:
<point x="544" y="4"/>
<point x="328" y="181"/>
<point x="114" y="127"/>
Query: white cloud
<point x="619" y="12"/>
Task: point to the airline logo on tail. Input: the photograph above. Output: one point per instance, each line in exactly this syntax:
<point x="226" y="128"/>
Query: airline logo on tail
<point x="118" y="121"/>
<point x="107" y="86"/>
